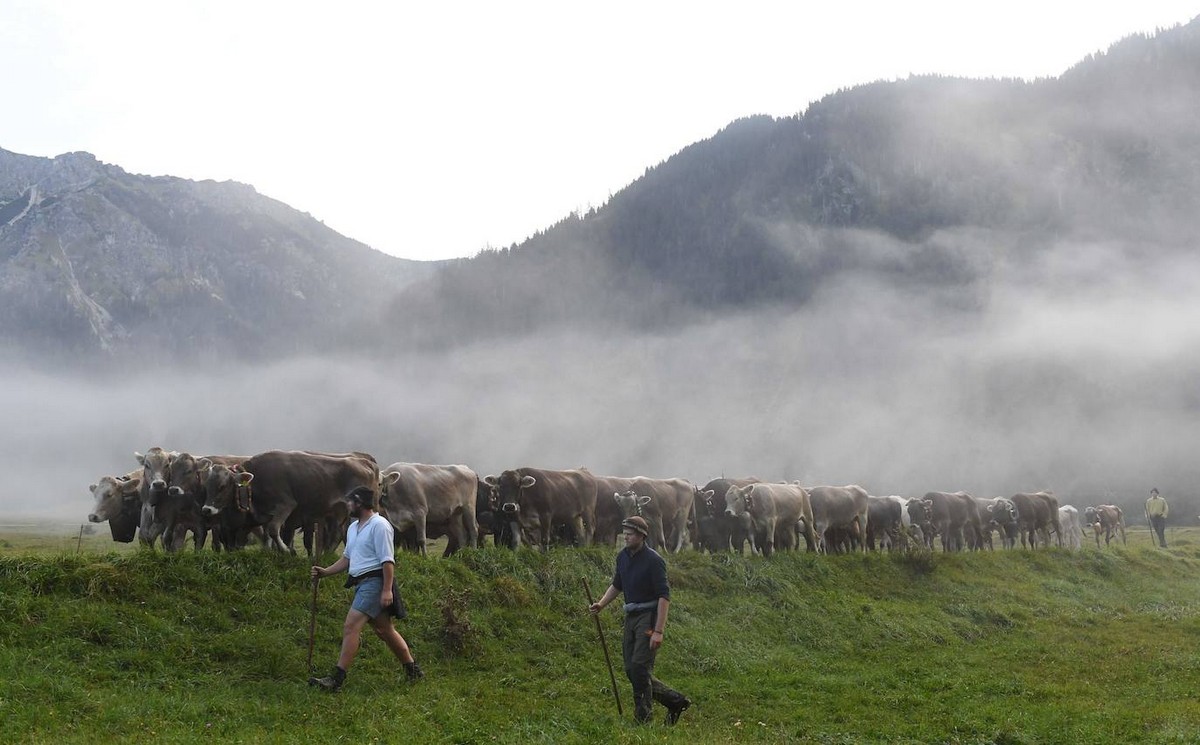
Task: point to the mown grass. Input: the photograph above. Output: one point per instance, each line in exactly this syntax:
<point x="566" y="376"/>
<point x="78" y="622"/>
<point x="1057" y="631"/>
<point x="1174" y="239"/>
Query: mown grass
<point x="1004" y="647"/>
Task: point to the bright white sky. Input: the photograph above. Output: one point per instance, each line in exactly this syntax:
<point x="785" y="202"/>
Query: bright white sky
<point x="435" y="129"/>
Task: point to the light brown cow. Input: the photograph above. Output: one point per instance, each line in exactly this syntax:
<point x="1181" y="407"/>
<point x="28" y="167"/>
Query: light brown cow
<point x="839" y="507"/>
<point x="667" y="508"/>
<point x="432" y="501"/>
<point x="769" y="508"/>
<point x="608" y="514"/>
<point x="1107" y="519"/>
<point x="117" y="500"/>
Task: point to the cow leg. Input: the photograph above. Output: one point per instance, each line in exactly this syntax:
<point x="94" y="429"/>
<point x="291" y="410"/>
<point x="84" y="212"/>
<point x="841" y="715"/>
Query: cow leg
<point x="274" y="539"/>
<point x="472" y="527"/>
<point x="769" y="541"/>
<point x="458" y="534"/>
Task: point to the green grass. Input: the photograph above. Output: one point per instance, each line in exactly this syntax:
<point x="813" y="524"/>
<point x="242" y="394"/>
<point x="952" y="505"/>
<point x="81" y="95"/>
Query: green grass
<point x="1005" y="647"/>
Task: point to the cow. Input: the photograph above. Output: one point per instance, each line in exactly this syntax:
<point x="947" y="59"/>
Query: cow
<point x="155" y="463"/>
<point x="885" y="522"/>
<point x="920" y="517"/>
<point x="999" y="514"/>
<point x="608" y="515"/>
<point x="1037" y="515"/>
<point x="292" y="489"/>
<point x="1068" y="520"/>
<point x="432" y="500"/>
<point x="715" y="530"/>
<point x="180" y="510"/>
<point x="770" y="509"/>
<point x="1107" y="519"/>
<point x="536" y="499"/>
<point x="117" y="499"/>
<point x="839" y="507"/>
<point x="955" y="518"/>
<point x="667" y="507"/>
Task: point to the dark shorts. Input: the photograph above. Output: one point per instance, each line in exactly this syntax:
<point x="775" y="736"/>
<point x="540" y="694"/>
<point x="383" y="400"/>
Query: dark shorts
<point x="366" y="597"/>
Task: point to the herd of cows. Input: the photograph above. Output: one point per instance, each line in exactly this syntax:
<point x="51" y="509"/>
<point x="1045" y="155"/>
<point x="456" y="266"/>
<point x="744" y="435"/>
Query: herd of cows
<point x="272" y="495"/>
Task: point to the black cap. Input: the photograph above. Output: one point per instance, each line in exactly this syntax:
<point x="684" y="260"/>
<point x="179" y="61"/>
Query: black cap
<point x="364" y="495"/>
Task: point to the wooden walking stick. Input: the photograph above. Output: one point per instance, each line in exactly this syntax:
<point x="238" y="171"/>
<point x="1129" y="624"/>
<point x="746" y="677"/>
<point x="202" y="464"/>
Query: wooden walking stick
<point x="312" y="622"/>
<point x="604" y="645"/>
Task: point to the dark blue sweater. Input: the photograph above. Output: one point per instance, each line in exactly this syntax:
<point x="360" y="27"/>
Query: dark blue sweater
<point x="641" y="576"/>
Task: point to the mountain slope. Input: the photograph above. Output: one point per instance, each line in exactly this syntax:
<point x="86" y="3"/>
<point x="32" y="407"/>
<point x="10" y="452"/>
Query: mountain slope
<point x="96" y="260"/>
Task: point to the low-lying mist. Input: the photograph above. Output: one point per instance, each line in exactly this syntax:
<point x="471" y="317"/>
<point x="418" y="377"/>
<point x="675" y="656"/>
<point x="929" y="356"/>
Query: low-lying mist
<point x="1071" y="368"/>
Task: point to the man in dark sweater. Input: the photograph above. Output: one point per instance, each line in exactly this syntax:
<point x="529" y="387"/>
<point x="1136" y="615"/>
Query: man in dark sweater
<point x="642" y="575"/>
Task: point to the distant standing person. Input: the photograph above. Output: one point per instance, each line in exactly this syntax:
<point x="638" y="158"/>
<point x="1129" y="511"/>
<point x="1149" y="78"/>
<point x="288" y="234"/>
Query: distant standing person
<point x="642" y="575"/>
<point x="369" y="558"/>
<point x="1156" y="513"/>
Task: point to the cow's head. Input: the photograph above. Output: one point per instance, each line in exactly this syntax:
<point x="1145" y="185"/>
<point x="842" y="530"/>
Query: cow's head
<point x="1002" y="511"/>
<point x="508" y="486"/>
<point x="487" y="497"/>
<point x="920" y="511"/>
<point x="225" y="486"/>
<point x="112" y="493"/>
<point x="630" y="504"/>
<point x="156" y="472"/>
<point x="738" y="501"/>
<point x="186" y="478"/>
<point x="387" y="479"/>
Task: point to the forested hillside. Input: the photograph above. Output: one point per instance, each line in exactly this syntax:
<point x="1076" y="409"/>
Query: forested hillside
<point x="889" y="180"/>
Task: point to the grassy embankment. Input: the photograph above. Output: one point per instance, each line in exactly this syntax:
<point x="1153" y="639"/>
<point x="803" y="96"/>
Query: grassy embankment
<point x="1011" y="647"/>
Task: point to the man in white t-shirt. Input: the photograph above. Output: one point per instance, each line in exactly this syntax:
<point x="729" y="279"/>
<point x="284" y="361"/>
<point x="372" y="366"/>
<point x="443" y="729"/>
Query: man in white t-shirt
<point x="369" y="558"/>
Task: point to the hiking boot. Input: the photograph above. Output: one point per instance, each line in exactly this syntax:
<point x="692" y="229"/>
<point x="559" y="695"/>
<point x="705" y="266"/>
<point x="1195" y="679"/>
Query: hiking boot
<point x="413" y="672"/>
<point x="332" y="682"/>
<point x="673" y="712"/>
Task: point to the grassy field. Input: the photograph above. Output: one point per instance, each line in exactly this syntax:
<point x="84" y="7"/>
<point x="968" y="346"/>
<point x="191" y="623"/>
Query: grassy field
<point x="1096" y="646"/>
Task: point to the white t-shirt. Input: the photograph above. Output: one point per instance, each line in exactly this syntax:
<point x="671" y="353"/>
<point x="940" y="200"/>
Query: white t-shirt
<point x="369" y="546"/>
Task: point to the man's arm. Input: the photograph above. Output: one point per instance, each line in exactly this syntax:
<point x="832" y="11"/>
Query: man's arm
<point x="604" y="600"/>
<point x="389" y="573"/>
<point x="660" y="623"/>
<point x="337" y="567"/>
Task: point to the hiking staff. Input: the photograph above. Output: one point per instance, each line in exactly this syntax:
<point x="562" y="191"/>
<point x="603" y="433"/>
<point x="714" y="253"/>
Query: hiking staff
<point x="312" y="621"/>
<point x="604" y="645"/>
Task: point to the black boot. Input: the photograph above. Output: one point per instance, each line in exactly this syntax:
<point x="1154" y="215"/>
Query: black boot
<point x="673" y="712"/>
<point x="413" y="671"/>
<point x="331" y="682"/>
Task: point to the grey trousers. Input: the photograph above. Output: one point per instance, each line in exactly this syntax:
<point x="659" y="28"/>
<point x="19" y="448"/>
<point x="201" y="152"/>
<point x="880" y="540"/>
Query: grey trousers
<point x="1158" y="522"/>
<point x="639" y="667"/>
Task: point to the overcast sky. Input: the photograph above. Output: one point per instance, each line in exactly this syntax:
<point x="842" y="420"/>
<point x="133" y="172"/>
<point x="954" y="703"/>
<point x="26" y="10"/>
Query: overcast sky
<point x="434" y="130"/>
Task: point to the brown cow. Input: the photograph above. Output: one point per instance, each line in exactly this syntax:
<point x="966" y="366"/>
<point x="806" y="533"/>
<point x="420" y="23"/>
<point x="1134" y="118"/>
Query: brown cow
<point x="432" y="501"/>
<point x="536" y="500"/>
<point x="155" y="463"/>
<point x="1037" y="514"/>
<point x="180" y="510"/>
<point x="839" y="507"/>
<point x="118" y="500"/>
<point x="295" y="489"/>
<point x="770" y="508"/>
<point x="955" y="518"/>
<point x="1107" y="519"/>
